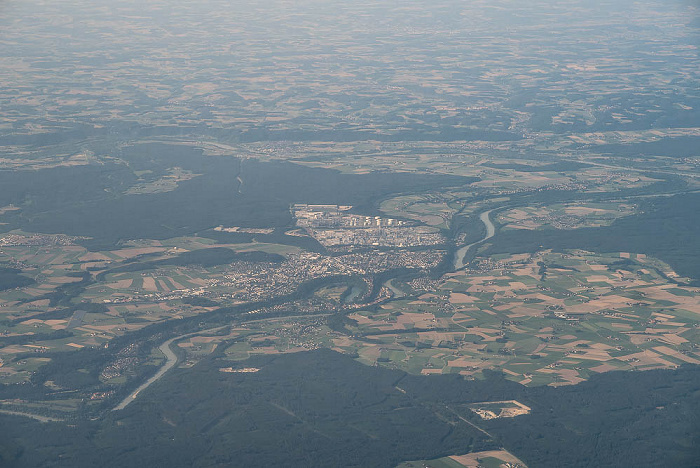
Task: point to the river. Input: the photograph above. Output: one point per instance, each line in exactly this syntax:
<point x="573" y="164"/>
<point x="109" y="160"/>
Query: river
<point x="354" y="294"/>
<point x="490" y="231"/>
<point x="43" y="419"/>
<point x="397" y="292"/>
<point x="170" y="361"/>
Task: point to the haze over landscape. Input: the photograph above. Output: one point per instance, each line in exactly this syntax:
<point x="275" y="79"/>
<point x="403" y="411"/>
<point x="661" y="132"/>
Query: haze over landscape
<point x="350" y="233"/>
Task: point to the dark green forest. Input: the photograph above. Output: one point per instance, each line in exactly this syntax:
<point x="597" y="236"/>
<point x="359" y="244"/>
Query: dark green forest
<point x="321" y="408"/>
<point x="91" y="200"/>
<point x="12" y="278"/>
<point x="204" y="257"/>
<point x="667" y="228"/>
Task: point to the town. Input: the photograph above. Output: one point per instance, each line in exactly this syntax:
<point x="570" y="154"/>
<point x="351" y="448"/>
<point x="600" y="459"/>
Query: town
<point x="334" y="227"/>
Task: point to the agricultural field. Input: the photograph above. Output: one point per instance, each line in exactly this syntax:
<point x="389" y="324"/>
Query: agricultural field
<point x="80" y="299"/>
<point x="486" y="459"/>
<point x="565" y="216"/>
<point x="543" y="319"/>
<point x="432" y="210"/>
<point x="68" y="298"/>
<point x="506" y="167"/>
<point x="167" y="183"/>
<point x="278" y="336"/>
<point x="366" y="231"/>
<point x="547" y="318"/>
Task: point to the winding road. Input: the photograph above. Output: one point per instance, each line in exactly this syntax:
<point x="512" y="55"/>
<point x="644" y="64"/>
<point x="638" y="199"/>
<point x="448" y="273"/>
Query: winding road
<point x="490" y="231"/>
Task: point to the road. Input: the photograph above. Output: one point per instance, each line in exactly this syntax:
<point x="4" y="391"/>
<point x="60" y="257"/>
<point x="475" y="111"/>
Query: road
<point x="490" y="231"/>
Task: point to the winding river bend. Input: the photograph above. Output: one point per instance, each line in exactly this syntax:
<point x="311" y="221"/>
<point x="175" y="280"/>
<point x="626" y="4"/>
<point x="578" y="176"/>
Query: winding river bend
<point x="170" y="361"/>
<point x="396" y="291"/>
<point x="171" y="358"/>
<point x="490" y="231"/>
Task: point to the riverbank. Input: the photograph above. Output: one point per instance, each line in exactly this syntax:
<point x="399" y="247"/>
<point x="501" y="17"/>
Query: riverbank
<point x="170" y="361"/>
<point x="490" y="231"/>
